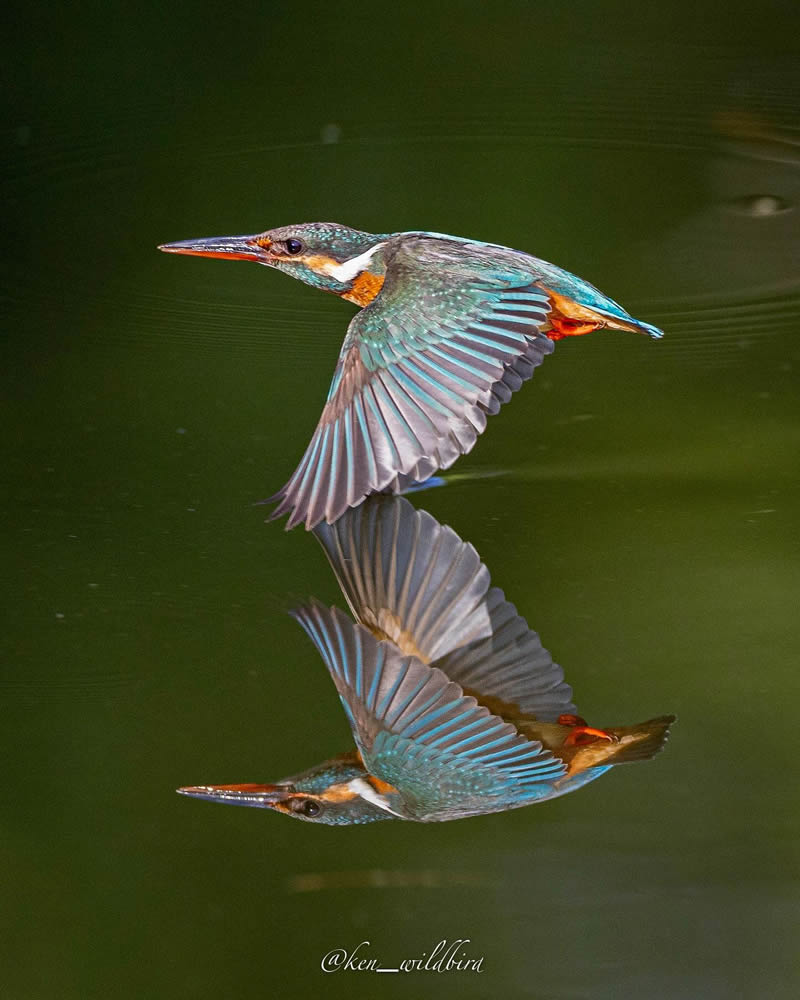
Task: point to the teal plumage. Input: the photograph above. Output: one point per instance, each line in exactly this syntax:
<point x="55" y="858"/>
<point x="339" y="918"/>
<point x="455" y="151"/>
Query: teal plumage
<point x="414" y="581"/>
<point x="455" y="706"/>
<point x="449" y="329"/>
<point x="415" y="729"/>
<point x="419" y="370"/>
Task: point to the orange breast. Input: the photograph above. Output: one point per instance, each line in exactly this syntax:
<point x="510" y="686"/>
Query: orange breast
<point x="381" y="787"/>
<point x="365" y="287"/>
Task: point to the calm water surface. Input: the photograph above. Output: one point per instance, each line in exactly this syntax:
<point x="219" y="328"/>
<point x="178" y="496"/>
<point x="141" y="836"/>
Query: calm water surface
<point x="638" y="501"/>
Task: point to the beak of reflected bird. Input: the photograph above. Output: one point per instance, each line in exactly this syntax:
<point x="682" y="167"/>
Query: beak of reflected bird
<point x="225" y="247"/>
<point x="263" y="796"/>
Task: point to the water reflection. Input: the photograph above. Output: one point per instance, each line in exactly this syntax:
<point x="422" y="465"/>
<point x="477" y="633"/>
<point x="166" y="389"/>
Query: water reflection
<point x="456" y="707"/>
<point x="381" y="878"/>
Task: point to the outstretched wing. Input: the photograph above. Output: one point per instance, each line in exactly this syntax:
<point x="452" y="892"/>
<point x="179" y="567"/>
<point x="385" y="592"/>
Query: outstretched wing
<point x="415" y="582"/>
<point x="444" y="754"/>
<point x="453" y="332"/>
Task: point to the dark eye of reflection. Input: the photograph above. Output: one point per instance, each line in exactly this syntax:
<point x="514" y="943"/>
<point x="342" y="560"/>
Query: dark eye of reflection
<point x="308" y="807"/>
<point x="293" y="246"/>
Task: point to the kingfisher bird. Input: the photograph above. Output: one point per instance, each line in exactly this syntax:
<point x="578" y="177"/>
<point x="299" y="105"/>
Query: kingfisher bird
<point x="455" y="706"/>
<point x="449" y="329"/>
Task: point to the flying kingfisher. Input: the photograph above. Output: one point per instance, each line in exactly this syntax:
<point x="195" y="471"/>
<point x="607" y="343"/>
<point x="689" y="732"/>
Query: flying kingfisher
<point x="456" y="708"/>
<point x="450" y="329"/>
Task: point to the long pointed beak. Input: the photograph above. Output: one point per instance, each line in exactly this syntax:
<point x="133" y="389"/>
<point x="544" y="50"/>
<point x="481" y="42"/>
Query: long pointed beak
<point x="224" y="247"/>
<point x="260" y="796"/>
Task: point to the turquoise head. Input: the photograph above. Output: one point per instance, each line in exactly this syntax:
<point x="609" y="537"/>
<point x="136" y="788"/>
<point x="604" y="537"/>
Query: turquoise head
<point x="337" y="792"/>
<point x="326" y="255"/>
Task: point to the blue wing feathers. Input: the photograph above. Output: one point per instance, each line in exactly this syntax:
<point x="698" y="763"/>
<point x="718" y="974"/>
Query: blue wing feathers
<point x="447" y="341"/>
<point x="373" y="688"/>
<point x="420" y="706"/>
<point x="413" y="386"/>
<point x="405" y="575"/>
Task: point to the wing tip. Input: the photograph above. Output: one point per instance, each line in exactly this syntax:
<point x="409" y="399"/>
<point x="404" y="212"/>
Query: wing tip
<point x="297" y="512"/>
<point x="314" y="610"/>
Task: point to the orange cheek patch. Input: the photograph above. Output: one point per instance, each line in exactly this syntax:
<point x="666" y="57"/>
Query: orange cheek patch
<point x="317" y="262"/>
<point x="365" y="288"/>
<point x="337" y="793"/>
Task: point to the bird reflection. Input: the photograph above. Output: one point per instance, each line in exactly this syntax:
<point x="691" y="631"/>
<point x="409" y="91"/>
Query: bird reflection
<point x="456" y="707"/>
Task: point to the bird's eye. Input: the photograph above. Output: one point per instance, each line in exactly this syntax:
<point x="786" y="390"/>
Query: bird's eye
<point x="293" y="246"/>
<point x="307" y="807"/>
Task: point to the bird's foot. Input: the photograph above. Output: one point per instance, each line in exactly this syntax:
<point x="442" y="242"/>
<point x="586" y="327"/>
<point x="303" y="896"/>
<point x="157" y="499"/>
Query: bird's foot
<point x="580" y="733"/>
<point x="562" y="327"/>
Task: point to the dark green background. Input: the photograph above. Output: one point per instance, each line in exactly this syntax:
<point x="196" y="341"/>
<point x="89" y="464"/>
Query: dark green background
<point x="644" y="518"/>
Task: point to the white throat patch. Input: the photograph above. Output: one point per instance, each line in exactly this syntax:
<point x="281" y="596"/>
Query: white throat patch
<point x="350" y="269"/>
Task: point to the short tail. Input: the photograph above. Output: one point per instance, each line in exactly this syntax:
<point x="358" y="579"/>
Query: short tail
<point x="648" y="328"/>
<point x="624" y="321"/>
<point x="643" y="741"/>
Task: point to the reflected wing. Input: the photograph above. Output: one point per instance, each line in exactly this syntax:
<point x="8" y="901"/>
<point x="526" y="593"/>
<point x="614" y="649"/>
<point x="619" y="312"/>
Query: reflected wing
<point x="453" y="332"/>
<point x="419" y="732"/>
<point x="411" y="580"/>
